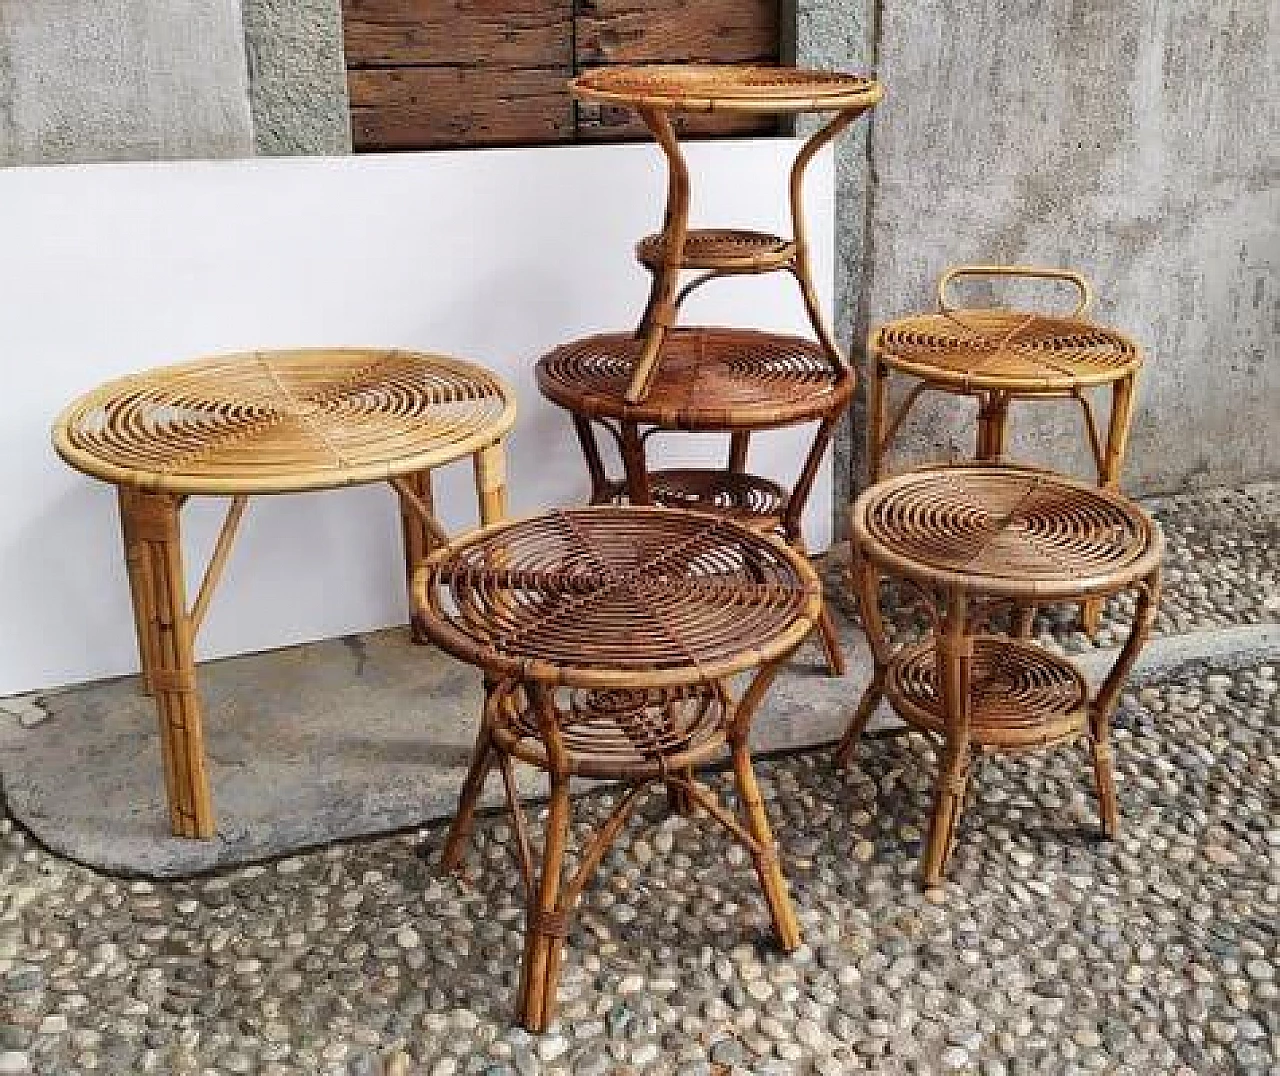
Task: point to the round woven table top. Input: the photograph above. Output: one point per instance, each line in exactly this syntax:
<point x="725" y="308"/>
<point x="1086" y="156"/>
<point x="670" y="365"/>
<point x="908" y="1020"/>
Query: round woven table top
<point x="705" y="379"/>
<point x="1006" y="531"/>
<point x="756" y="88"/>
<point x="1003" y="349"/>
<point x="284" y="421"/>
<point x="617" y="597"/>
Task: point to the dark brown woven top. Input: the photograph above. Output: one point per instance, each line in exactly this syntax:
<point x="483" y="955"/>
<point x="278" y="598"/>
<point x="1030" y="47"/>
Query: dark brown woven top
<point x="283" y="421"/>
<point x="1003" y="349"/>
<point x="706" y="379"/>
<point x="726" y="87"/>
<point x="617" y="597"/>
<point x="1010" y="531"/>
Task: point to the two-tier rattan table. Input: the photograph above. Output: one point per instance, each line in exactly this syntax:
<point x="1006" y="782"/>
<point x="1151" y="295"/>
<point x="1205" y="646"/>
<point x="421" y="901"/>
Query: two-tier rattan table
<point x="970" y="537"/>
<point x="997" y="356"/>
<point x="608" y="638"/>
<point x="712" y="379"/>
<point x="267" y="422"/>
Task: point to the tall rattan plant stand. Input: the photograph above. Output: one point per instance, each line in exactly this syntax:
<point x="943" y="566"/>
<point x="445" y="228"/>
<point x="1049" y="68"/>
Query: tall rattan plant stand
<point x="267" y="422"/>
<point x="968" y="538"/>
<point x="997" y="356"/>
<point x="608" y="638"/>
<point x="722" y="380"/>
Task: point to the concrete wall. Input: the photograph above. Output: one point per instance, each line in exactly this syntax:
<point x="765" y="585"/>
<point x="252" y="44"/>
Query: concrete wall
<point x="1135" y="141"/>
<point x="93" y="80"/>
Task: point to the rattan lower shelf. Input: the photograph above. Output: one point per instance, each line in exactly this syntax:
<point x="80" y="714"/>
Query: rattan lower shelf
<point x="610" y="639"/>
<point x="971" y="541"/>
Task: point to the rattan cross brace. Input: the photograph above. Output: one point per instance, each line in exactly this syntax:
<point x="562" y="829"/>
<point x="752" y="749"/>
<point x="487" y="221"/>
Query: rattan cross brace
<point x="268" y="422"/>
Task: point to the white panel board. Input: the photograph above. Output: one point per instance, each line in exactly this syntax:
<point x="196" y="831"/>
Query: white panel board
<point x="494" y="256"/>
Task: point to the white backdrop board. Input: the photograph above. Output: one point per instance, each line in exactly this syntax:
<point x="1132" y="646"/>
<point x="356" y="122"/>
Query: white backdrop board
<point x="494" y="256"/>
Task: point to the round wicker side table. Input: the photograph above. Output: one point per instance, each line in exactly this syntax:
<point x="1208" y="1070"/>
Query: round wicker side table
<point x="267" y="422"/>
<point x="723" y="380"/>
<point x="608" y="637"/>
<point x="997" y="356"/>
<point x="971" y="537"/>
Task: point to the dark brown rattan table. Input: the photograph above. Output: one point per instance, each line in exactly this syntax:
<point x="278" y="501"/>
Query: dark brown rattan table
<point x="608" y="637"/>
<point x="267" y="422"/>
<point x="969" y="539"/>
<point x="712" y="379"/>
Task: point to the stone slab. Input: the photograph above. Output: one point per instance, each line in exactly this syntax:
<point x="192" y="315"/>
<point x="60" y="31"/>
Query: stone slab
<point x="118" y="80"/>
<point x="353" y="737"/>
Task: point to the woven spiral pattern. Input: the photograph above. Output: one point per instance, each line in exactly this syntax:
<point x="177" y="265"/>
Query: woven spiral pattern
<point x="1007" y="530"/>
<point x="1021" y="696"/>
<point x="632" y="593"/>
<point x="998" y="349"/>
<point x="748" y="498"/>
<point x="284" y="420"/>
<point x="610" y="732"/>
<point x="721" y="248"/>
<point x="707" y="378"/>
<point x="734" y="87"/>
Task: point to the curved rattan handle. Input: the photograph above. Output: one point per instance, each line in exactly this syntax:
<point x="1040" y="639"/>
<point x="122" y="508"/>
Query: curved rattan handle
<point x="1082" y="285"/>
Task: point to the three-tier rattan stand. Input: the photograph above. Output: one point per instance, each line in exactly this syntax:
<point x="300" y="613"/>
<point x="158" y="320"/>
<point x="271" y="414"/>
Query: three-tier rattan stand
<point x="712" y="379"/>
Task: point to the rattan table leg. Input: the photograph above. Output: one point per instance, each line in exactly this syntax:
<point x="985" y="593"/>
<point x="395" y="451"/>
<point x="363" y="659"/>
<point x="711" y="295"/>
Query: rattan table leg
<point x="631" y="444"/>
<point x="464" y="818"/>
<point x="546" y="924"/>
<point x="765" y="856"/>
<point x="955" y="658"/>
<point x="1109" y="477"/>
<point x="877" y="418"/>
<point x="491" y="482"/>
<point x="418" y="539"/>
<point x="866" y="581"/>
<point x="153" y="548"/>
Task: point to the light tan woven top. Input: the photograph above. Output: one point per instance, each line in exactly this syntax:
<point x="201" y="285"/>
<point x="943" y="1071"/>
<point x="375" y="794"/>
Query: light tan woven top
<point x="1005" y="349"/>
<point x="617" y="597"/>
<point x="284" y="421"/>
<point x="726" y="88"/>
<point x="1011" y="531"/>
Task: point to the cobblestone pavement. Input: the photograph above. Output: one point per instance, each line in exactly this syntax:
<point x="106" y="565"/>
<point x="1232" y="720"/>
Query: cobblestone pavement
<point x="1222" y="568"/>
<point x="1048" y="950"/>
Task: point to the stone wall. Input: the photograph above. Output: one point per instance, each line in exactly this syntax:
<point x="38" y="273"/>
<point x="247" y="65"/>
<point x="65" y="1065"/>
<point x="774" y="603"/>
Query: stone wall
<point x="1136" y="142"/>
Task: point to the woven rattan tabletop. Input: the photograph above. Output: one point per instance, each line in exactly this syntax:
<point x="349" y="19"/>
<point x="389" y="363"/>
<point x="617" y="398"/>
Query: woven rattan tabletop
<point x="727" y="88"/>
<point x="708" y="379"/>
<point x="284" y="421"/>
<point x="1006" y="350"/>
<point x="1007" y="531"/>
<point x="617" y="597"/>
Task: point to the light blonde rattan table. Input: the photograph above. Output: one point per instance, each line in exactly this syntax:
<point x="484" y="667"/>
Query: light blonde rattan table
<point x="971" y="537"/>
<point x="610" y="638"/>
<point x="997" y="356"/>
<point x="267" y="422"/>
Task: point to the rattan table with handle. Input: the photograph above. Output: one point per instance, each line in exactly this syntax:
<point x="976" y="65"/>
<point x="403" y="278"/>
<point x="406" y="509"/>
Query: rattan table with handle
<point x="266" y="422"/>
<point x="609" y="638"/>
<point x="997" y="356"/>
<point x="971" y="537"/>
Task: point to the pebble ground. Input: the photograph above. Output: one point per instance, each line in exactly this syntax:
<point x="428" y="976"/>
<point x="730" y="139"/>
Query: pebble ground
<point x="1049" y="950"/>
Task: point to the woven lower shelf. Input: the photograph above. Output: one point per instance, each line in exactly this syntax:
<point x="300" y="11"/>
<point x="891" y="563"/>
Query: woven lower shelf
<point x="729" y="250"/>
<point x="1021" y="695"/>
<point x="750" y="499"/>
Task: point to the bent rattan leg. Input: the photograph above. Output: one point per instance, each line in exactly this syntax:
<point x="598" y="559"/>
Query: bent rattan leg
<point x="955" y="657"/>
<point x="765" y="855"/>
<point x="464" y="819"/>
<point x="866" y="582"/>
<point x="491" y="482"/>
<point x="546" y="925"/>
<point x="152" y="537"/>
<point x="418" y="538"/>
